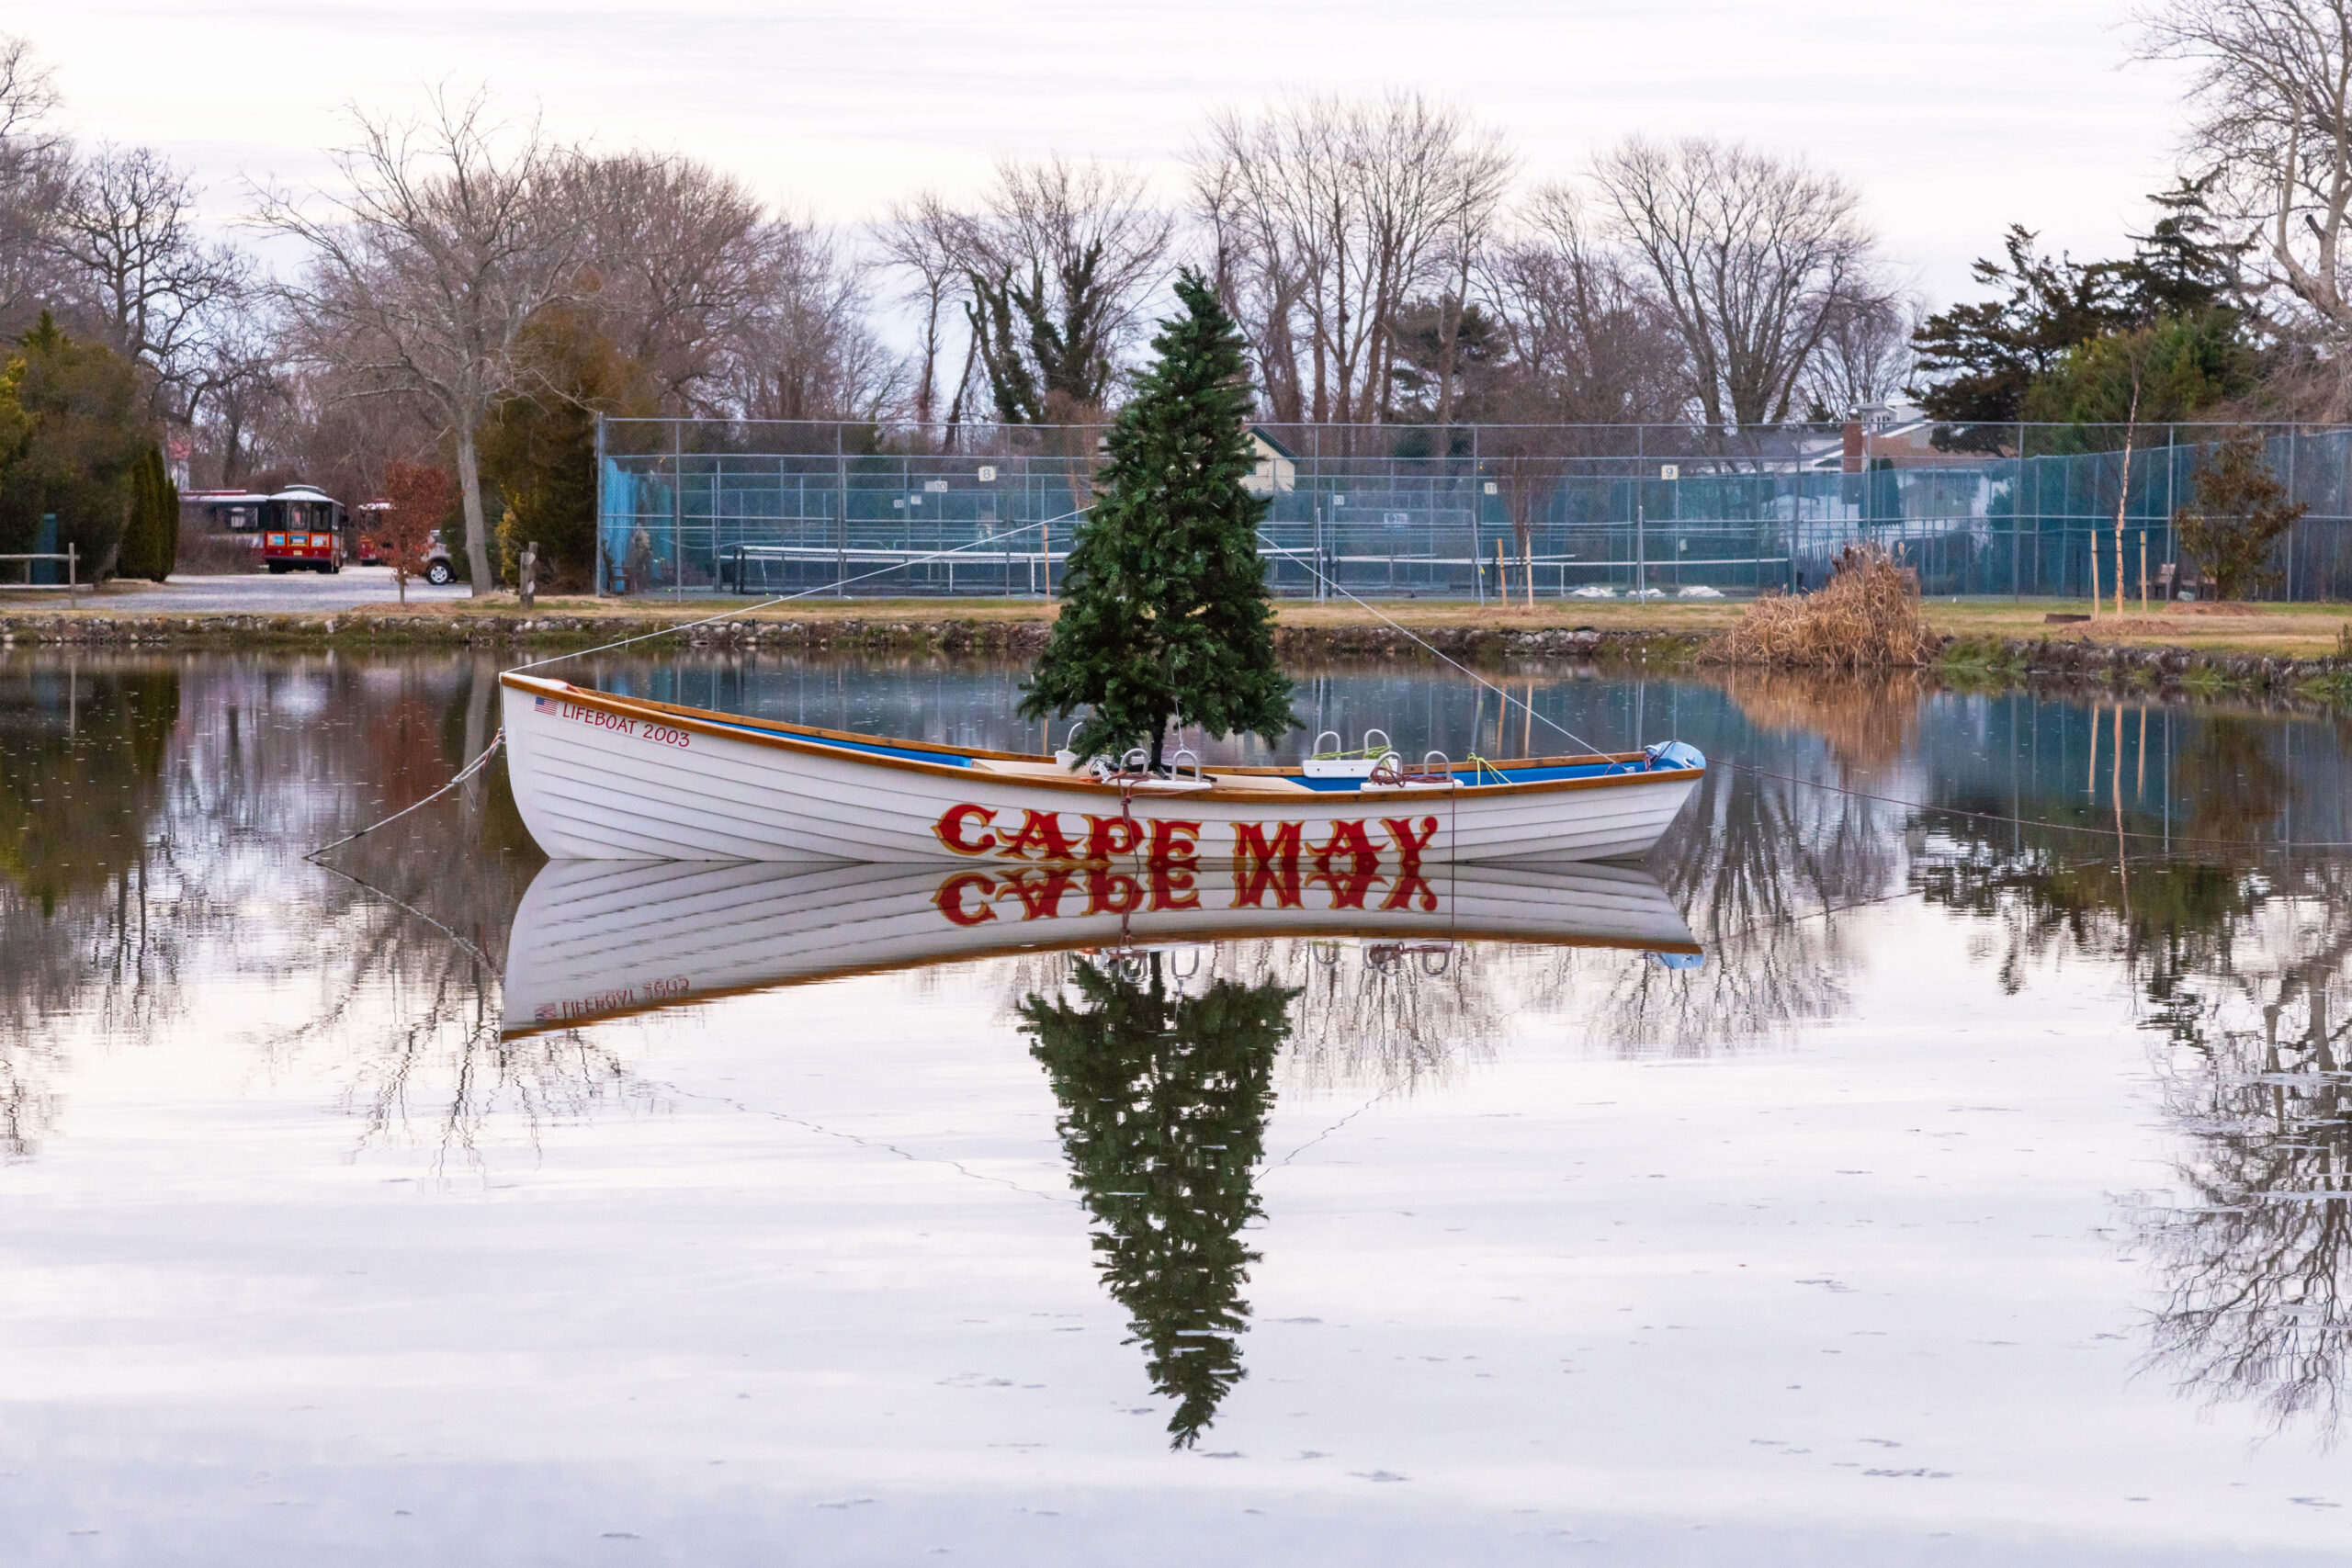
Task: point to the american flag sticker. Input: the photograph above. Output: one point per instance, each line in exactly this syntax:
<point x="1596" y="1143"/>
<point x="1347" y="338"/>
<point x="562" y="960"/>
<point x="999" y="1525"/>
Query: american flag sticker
<point x="542" y="704"/>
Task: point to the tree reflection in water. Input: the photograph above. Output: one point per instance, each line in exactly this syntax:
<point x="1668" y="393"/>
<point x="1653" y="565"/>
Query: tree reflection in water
<point x="2231" y="967"/>
<point x="1770" y="875"/>
<point x="2257" y="1270"/>
<point x="1392" y="1015"/>
<point x="82" y="762"/>
<point x="1164" y="1096"/>
<point x="153" y="811"/>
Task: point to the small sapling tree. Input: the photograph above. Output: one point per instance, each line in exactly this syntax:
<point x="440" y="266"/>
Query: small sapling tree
<point x="418" y="497"/>
<point x="1165" y="612"/>
<point x="2240" y="511"/>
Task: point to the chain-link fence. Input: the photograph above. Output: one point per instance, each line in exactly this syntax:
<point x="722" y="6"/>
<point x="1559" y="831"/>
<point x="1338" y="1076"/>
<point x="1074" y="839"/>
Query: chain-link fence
<point x="1471" y="511"/>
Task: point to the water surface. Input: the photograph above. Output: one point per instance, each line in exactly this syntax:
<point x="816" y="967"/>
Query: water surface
<point x="1980" y="1197"/>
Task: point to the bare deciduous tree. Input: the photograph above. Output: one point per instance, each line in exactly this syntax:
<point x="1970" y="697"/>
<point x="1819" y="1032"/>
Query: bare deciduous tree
<point x="137" y="269"/>
<point x="1865" y="357"/>
<point x="2271" y="84"/>
<point x="1059" y="259"/>
<point x="1588" y="343"/>
<point x="805" y="349"/>
<point x="1755" y="258"/>
<point x="422" y="274"/>
<point x="922" y="239"/>
<point x="1329" y="217"/>
<point x="677" y="258"/>
<point x="34" y="172"/>
<point x="234" y="387"/>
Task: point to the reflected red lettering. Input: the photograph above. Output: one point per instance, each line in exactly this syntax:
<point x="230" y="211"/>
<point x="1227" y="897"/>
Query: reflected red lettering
<point x="1174" y="890"/>
<point x="1111" y="892"/>
<point x="1410" y="884"/>
<point x="1348" y="888"/>
<point x="1408" y="846"/>
<point x="1261" y="867"/>
<point x="950" y="897"/>
<point x="1040" y="892"/>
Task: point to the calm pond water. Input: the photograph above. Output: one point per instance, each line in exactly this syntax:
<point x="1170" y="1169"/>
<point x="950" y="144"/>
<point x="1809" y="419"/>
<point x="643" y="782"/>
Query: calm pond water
<point x="1852" y="1182"/>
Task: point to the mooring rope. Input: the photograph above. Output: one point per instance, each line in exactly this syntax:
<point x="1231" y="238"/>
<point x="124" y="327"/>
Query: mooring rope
<point x="2103" y="833"/>
<point x="806" y="593"/>
<point x="498" y="740"/>
<point x="1448" y="659"/>
<point x="469" y="771"/>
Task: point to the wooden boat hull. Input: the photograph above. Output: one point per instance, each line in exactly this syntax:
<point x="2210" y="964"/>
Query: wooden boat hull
<point x="603" y="777"/>
<point x="594" y="940"/>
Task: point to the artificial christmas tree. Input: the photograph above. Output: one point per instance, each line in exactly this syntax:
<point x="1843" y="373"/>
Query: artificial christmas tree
<point x="1165" y="614"/>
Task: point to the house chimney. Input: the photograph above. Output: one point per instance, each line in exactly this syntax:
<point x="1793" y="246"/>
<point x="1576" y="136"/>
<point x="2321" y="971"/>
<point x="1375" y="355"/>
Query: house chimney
<point x="1853" y="463"/>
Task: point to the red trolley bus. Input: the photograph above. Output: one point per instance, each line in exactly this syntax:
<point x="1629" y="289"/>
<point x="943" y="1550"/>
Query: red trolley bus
<point x="302" y="526"/>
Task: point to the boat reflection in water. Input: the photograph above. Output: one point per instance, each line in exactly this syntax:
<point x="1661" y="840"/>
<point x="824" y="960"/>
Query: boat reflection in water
<point x="1163" y="1074"/>
<point x="598" y="940"/>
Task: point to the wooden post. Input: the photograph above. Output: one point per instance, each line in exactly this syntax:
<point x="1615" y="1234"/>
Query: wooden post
<point x="2143" y="571"/>
<point x="1046" y="550"/>
<point x="1502" y="578"/>
<point x="1526" y="570"/>
<point x="72" y="571"/>
<point x="2094" y="575"/>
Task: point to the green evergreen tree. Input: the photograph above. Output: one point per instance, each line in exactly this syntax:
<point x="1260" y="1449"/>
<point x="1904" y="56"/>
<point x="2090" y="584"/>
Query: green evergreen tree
<point x="168" y="559"/>
<point x="538" y="449"/>
<point x="2175" y="368"/>
<point x="74" y="419"/>
<point x="1165" y="614"/>
<point x="2047" y="344"/>
<point x="151" y="537"/>
<point x="131" y="555"/>
<point x="1164" y="1102"/>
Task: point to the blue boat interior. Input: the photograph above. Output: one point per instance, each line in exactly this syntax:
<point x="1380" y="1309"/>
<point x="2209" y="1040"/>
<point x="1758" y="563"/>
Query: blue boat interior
<point x="944" y="759"/>
<point x="1486" y="776"/>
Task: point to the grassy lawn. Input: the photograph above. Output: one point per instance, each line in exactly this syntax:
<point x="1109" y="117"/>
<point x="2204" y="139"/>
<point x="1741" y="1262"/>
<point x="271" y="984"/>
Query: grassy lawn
<point x="2298" y="631"/>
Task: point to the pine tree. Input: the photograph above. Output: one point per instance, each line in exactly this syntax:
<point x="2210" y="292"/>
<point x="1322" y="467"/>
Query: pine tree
<point x="135" y="555"/>
<point x="1164" y="1100"/>
<point x="1165" y="612"/>
<point x="167" y="556"/>
<point x="150" y="546"/>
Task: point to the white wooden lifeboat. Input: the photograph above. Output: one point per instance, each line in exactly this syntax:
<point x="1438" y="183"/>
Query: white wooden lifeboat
<point x="604" y="777"/>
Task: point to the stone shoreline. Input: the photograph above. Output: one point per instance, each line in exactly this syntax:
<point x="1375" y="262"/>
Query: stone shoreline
<point x="2040" y="660"/>
<point x="1013" y="639"/>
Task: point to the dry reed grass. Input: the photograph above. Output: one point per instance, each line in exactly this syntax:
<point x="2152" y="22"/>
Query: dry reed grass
<point x="1866" y="723"/>
<point x="1867" y="618"/>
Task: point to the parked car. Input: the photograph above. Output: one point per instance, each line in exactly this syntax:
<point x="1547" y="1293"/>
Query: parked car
<point x="439" y="568"/>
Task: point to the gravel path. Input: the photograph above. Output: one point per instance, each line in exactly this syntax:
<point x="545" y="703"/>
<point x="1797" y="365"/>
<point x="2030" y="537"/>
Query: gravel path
<point x="295" y="594"/>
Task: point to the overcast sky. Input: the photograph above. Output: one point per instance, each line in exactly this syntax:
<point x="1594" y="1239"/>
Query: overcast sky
<point x="1953" y="120"/>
